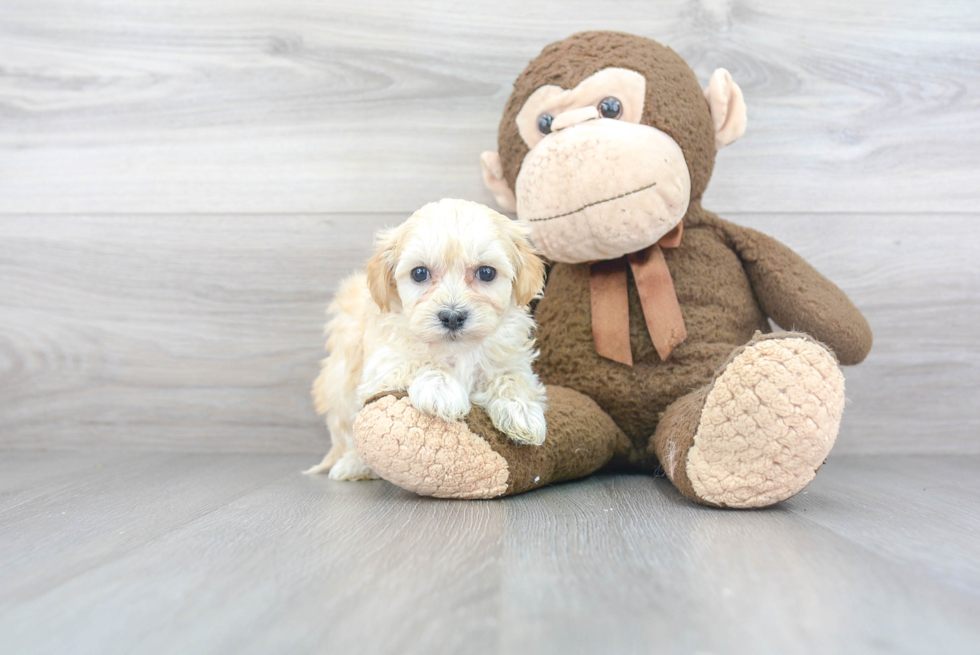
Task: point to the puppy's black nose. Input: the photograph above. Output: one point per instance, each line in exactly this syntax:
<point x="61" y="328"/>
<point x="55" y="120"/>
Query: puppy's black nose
<point x="452" y="319"/>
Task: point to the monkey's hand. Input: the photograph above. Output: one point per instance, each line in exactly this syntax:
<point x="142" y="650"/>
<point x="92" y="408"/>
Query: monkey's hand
<point x="797" y="297"/>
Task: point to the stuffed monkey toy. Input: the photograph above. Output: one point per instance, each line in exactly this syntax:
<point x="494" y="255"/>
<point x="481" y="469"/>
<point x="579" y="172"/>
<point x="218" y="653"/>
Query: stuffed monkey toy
<point x="654" y="329"/>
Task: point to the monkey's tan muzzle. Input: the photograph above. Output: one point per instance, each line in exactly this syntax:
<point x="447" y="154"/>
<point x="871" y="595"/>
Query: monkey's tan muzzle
<point x="600" y="189"/>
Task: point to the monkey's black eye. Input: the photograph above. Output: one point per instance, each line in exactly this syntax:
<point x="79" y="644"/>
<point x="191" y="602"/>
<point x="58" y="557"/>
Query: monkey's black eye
<point x="544" y="123"/>
<point x="610" y="108"/>
<point x="486" y="273"/>
<point x="420" y="274"/>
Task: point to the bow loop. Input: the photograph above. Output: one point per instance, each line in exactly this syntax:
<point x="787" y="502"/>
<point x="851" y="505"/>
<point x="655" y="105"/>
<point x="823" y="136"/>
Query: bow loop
<point x="661" y="310"/>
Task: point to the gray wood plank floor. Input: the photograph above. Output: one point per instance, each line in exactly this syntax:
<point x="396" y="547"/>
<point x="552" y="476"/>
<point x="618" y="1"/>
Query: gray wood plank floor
<point x="239" y="553"/>
<point x="183" y="183"/>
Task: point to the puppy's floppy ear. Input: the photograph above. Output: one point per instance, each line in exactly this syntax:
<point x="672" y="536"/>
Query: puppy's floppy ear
<point x="528" y="265"/>
<point x="381" y="269"/>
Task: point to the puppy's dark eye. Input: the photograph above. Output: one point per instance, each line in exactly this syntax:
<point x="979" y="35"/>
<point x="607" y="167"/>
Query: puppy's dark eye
<point x="420" y="274"/>
<point x="486" y="273"/>
<point x="544" y="123"/>
<point x="610" y="108"/>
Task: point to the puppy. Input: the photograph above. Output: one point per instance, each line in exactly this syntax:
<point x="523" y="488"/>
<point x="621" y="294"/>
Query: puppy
<point x="441" y="312"/>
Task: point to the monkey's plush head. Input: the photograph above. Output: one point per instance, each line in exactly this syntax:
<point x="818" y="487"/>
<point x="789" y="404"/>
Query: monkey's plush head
<point x="605" y="141"/>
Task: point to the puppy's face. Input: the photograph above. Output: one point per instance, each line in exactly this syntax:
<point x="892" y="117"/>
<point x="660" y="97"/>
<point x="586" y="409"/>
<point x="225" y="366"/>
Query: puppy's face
<point x="453" y="269"/>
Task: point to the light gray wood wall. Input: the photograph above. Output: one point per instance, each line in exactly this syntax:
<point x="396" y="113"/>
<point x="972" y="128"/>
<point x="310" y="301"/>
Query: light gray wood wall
<point x="183" y="182"/>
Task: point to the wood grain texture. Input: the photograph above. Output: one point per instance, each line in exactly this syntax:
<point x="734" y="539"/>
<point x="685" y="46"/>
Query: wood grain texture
<point x="200" y="332"/>
<point x="204" y="332"/>
<point x="114" y="504"/>
<point x="183" y="184"/>
<point x="380" y="106"/>
<point x="230" y="553"/>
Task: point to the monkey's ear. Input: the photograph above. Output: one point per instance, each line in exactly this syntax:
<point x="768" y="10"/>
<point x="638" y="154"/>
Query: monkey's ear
<point x="381" y="270"/>
<point x="727" y="107"/>
<point x="493" y="177"/>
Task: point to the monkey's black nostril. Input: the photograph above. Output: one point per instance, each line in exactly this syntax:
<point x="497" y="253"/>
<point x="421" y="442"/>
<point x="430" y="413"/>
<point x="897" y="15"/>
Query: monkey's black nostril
<point x="452" y="319"/>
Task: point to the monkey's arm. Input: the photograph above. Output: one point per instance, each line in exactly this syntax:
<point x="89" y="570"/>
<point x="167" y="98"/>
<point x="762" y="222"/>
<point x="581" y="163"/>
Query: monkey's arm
<point x="797" y="297"/>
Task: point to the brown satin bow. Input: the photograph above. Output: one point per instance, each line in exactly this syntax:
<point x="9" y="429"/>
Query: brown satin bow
<point x="610" y="303"/>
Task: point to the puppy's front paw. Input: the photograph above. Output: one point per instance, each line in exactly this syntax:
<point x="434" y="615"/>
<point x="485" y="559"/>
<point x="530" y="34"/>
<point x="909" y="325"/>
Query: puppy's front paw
<point x="522" y="421"/>
<point x="351" y="467"/>
<point x="435" y="393"/>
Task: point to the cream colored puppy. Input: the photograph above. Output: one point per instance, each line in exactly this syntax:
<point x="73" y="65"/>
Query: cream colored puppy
<point x="441" y="312"/>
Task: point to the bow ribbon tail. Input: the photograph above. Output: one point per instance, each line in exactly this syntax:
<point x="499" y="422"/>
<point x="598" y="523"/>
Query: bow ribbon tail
<point x="661" y="310"/>
<point x="610" y="310"/>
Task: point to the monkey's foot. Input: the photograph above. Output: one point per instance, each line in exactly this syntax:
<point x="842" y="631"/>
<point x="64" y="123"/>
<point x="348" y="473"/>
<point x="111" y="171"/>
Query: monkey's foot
<point x="471" y="458"/>
<point x="758" y="433"/>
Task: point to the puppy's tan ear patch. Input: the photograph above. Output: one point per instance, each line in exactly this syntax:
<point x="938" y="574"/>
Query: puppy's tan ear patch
<point x="528" y="265"/>
<point x="381" y="270"/>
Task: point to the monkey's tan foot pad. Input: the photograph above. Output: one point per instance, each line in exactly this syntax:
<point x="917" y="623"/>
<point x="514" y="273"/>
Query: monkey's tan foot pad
<point x="471" y="458"/>
<point x="425" y="454"/>
<point x="768" y="422"/>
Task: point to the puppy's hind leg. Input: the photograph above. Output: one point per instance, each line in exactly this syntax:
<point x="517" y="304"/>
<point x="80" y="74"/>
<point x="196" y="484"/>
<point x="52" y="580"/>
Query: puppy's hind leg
<point x="335" y="389"/>
<point x="332" y="457"/>
<point x="328" y="398"/>
<point x="342" y="460"/>
<point x="350" y="466"/>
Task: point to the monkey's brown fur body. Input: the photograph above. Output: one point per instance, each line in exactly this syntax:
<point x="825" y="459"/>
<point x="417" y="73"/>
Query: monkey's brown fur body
<point x="736" y="416"/>
<point x="722" y="288"/>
